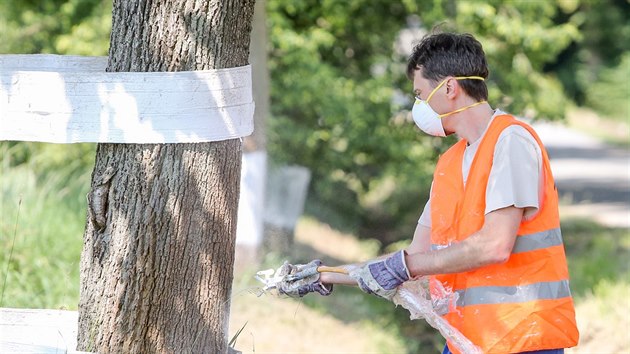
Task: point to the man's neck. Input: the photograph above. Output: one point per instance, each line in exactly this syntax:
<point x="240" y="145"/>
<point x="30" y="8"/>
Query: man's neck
<point x="472" y="123"/>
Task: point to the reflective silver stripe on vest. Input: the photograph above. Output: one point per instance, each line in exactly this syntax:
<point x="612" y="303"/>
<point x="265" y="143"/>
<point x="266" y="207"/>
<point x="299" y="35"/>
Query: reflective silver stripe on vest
<point x="531" y="242"/>
<point x="539" y="240"/>
<point x="513" y="294"/>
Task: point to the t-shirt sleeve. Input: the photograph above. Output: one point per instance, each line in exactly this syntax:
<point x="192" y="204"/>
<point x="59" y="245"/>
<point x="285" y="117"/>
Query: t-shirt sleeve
<point x="515" y="177"/>
<point x="425" y="217"/>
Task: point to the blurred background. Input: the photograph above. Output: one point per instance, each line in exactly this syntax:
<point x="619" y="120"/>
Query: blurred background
<point x="337" y="170"/>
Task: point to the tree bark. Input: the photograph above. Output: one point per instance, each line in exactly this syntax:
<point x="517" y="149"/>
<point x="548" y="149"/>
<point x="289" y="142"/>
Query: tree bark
<point x="156" y="267"/>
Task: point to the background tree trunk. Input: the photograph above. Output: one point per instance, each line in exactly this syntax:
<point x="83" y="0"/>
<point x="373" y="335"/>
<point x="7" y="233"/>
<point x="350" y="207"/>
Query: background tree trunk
<point x="260" y="79"/>
<point x="249" y="234"/>
<point x="156" y="268"/>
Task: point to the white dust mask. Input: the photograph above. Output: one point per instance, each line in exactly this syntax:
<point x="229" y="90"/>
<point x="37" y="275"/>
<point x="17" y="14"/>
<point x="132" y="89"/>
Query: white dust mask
<point x="427" y="119"/>
<point x="430" y="121"/>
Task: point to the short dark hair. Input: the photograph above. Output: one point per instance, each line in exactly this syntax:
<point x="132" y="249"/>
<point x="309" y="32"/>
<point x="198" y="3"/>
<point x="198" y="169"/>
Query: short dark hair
<point x="451" y="54"/>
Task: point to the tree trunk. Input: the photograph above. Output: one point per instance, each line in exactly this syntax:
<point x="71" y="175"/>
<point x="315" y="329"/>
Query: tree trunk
<point x="260" y="79"/>
<point x="249" y="235"/>
<point x="156" y="267"/>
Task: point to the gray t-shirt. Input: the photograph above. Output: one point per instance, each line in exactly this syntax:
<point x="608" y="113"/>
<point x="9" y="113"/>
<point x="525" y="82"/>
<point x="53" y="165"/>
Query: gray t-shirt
<point x="516" y="175"/>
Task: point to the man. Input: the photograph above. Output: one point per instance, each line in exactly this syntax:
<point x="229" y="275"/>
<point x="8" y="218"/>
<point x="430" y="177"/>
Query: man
<point x="490" y="231"/>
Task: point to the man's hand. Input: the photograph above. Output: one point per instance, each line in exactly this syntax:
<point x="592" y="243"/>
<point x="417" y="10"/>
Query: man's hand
<point x="382" y="277"/>
<point x="296" y="286"/>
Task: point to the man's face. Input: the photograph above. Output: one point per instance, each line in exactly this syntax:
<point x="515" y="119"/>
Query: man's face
<point x="423" y="87"/>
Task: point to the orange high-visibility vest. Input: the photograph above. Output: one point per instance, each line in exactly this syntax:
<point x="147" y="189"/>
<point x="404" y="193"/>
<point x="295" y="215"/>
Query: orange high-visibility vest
<point x="524" y="304"/>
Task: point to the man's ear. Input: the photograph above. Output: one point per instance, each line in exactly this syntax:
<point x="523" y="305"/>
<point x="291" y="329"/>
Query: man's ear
<point x="452" y="88"/>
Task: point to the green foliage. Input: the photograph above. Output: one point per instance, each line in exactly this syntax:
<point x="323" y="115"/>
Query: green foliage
<point x="56" y="161"/>
<point x="337" y="83"/>
<point x="519" y="38"/>
<point x="91" y="35"/>
<point x="610" y="94"/>
<point x="604" y="26"/>
<point x="332" y="111"/>
<point x="78" y="27"/>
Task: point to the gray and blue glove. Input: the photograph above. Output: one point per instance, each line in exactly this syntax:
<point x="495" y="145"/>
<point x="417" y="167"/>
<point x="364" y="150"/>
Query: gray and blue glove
<point x="295" y="284"/>
<point x="382" y="277"/>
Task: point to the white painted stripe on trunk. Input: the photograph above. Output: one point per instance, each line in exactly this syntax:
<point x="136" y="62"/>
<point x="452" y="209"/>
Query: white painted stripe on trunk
<point x="70" y="99"/>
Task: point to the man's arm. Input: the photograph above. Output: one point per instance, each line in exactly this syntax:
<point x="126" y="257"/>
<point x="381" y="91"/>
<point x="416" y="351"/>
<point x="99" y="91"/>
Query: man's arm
<point x="492" y="244"/>
<point x="421" y="242"/>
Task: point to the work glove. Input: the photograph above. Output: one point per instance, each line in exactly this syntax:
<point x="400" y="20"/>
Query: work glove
<point x="301" y="279"/>
<point x="382" y="277"/>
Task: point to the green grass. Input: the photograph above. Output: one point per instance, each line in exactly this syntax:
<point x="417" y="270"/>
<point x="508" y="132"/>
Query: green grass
<point x="596" y="255"/>
<point x="41" y="230"/>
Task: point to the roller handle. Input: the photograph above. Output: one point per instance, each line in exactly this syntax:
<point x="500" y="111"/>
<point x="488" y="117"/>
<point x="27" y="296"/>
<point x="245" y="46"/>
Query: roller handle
<point x="325" y="269"/>
<point x="312" y="271"/>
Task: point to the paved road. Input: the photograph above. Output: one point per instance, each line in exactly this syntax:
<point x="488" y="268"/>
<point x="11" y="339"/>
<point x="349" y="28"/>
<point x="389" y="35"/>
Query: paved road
<point x="593" y="178"/>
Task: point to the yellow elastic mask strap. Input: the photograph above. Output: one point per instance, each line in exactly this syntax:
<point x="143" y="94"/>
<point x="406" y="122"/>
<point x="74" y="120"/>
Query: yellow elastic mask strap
<point x="462" y="109"/>
<point x="456" y="78"/>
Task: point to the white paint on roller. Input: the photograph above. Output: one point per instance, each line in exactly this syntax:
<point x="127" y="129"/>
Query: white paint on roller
<point x="69" y="99"/>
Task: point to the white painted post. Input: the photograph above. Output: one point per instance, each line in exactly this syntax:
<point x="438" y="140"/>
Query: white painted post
<point x="249" y="228"/>
<point x="38" y="331"/>
<point x="287" y="189"/>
